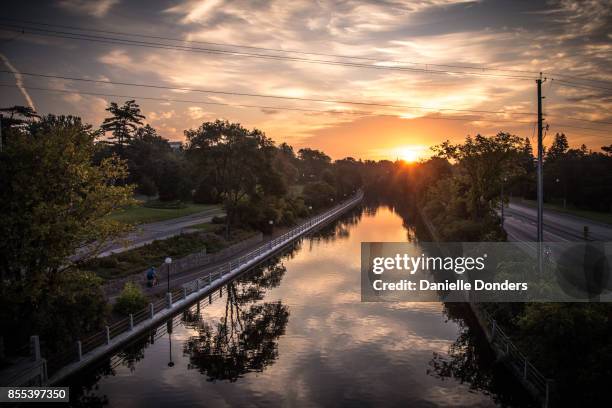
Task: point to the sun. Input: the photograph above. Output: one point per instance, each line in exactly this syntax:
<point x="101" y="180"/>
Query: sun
<point x="409" y="154"/>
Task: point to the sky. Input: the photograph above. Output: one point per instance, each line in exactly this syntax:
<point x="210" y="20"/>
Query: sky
<point x="439" y="63"/>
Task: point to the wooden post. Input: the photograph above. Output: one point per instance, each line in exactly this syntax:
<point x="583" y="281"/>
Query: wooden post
<point x="35" y="348"/>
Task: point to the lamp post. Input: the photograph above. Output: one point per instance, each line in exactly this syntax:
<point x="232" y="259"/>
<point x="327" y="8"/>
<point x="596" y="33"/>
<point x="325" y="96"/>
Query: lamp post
<point x="502" y="200"/>
<point x="168" y="262"/>
<point x="564" y="192"/>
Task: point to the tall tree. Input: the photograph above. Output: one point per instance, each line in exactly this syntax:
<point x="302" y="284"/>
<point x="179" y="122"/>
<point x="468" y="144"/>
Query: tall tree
<point x="236" y="161"/>
<point x="123" y="122"/>
<point x="53" y="198"/>
<point x="559" y="147"/>
<point x="53" y="202"/>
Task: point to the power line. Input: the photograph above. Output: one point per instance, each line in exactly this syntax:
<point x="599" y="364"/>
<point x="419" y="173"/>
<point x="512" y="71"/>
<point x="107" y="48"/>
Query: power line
<point x="145" y="44"/>
<point x="340" y="101"/>
<point x="360" y="113"/>
<point x="480" y="68"/>
<point x="233" y="93"/>
<point x="584" y="86"/>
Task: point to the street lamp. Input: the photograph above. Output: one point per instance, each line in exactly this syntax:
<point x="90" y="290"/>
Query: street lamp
<point x="502" y="200"/>
<point x="168" y="262"/>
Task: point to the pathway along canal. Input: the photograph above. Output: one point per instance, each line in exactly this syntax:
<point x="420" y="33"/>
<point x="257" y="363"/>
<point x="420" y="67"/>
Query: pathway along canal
<point x="294" y="332"/>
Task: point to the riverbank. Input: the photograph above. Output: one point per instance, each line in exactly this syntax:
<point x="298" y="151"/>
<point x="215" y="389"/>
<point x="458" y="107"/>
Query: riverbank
<point x="505" y="350"/>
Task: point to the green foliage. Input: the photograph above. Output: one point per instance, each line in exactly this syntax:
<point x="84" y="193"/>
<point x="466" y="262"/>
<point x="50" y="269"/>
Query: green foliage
<point x="70" y="307"/>
<point x="318" y="194"/>
<point x="53" y="199"/>
<point x="572" y="343"/>
<point x="123" y="122"/>
<point x="131" y="300"/>
<point x="137" y="260"/>
<point x="236" y="162"/>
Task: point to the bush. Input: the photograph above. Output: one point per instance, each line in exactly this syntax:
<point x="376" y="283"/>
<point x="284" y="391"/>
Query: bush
<point x="131" y="300"/>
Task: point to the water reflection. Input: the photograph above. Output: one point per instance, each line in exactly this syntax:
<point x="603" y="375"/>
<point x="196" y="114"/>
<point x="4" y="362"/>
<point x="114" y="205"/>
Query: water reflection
<point x="294" y="333"/>
<point x="245" y="338"/>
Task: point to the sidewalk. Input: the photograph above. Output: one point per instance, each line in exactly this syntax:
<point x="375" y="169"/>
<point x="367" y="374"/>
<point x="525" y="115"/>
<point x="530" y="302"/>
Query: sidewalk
<point x="178" y="279"/>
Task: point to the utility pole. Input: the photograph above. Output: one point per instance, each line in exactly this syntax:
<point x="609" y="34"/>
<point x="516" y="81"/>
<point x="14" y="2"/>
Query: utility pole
<point x="540" y="179"/>
<point x="540" y="159"/>
<point x="0" y="133"/>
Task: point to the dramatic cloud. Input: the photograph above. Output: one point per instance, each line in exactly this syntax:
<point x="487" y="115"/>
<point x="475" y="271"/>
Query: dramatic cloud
<point x="95" y="8"/>
<point x="430" y="44"/>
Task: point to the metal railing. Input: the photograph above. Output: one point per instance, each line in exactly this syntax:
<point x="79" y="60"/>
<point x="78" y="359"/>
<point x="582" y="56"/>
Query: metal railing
<point x="538" y="385"/>
<point x="515" y="359"/>
<point x="104" y="338"/>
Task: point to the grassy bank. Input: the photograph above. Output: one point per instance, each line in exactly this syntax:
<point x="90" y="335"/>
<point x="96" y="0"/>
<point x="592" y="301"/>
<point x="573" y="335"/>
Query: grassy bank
<point x="147" y="212"/>
<point x="589" y="215"/>
<point x="137" y="260"/>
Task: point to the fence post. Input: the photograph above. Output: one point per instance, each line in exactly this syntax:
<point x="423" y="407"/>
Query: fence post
<point x="547" y="402"/>
<point x="221" y="292"/>
<point x="210" y="299"/>
<point x="152" y="308"/>
<point x="107" y="335"/>
<point x="184" y="292"/>
<point x="169" y="299"/>
<point x="209" y="278"/>
<point x="131" y="322"/>
<point x="198" y="285"/>
<point x="35" y="348"/>
<point x="79" y="350"/>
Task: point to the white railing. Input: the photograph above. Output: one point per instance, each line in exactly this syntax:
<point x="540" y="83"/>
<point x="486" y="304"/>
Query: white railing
<point x="102" y="341"/>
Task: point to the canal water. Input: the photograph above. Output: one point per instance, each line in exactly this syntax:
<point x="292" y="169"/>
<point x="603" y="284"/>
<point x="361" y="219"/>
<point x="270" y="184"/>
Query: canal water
<point x="294" y="332"/>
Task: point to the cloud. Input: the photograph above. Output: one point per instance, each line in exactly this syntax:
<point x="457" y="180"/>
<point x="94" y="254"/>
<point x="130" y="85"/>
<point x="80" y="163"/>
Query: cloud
<point x="18" y="81"/>
<point x="94" y="8"/>
<point x="195" y="10"/>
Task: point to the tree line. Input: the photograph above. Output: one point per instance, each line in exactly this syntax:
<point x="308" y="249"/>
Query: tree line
<point x="60" y="178"/>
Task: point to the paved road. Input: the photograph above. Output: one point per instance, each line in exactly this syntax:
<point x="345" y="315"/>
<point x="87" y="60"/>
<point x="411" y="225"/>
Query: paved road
<point x="520" y="224"/>
<point x="147" y="233"/>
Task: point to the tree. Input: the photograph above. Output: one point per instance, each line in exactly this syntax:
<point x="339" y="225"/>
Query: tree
<point x="313" y="163"/>
<point x="482" y="163"/>
<point x="123" y="122"/>
<point x="53" y="198"/>
<point x="18" y="116"/>
<point x="53" y="201"/>
<point x="238" y="163"/>
<point x="318" y="194"/>
<point x="559" y="147"/>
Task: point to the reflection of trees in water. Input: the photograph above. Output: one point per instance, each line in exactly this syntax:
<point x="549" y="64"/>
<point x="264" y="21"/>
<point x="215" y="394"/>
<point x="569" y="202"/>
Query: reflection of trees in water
<point x="245" y="338"/>
<point x="338" y="229"/>
<point x="471" y="361"/>
<point x="84" y="389"/>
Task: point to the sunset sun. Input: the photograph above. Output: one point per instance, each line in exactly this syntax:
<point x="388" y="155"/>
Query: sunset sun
<point x="409" y="154"/>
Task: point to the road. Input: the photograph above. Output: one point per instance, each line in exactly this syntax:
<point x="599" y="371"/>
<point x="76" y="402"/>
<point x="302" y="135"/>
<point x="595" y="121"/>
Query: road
<point x="520" y="224"/>
<point x="147" y="233"/>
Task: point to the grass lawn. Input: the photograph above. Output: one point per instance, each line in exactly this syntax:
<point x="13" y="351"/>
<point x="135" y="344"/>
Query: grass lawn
<point x="141" y="214"/>
<point x="589" y="215"/>
<point x="137" y="260"/>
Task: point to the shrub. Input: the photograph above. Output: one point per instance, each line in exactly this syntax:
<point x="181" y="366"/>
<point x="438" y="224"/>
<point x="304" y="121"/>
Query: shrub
<point x="131" y="300"/>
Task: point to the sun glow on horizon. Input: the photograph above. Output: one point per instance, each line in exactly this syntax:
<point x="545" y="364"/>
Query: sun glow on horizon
<point x="410" y="154"/>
